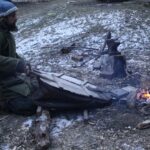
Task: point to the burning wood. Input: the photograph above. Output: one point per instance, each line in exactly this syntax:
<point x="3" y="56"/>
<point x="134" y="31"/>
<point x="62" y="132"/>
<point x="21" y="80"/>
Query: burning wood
<point x="142" y="99"/>
<point x="143" y="94"/>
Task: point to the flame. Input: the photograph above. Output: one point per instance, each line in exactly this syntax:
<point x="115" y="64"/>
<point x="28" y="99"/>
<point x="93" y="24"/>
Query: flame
<point x="143" y="94"/>
<point x="146" y="95"/>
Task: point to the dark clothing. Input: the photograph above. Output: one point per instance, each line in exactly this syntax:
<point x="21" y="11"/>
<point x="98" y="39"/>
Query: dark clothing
<point x="14" y="87"/>
<point x="8" y="56"/>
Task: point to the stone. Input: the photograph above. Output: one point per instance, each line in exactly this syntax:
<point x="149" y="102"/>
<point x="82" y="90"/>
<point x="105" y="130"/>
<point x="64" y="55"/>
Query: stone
<point x="96" y="65"/>
<point x="131" y="99"/>
<point x="123" y="101"/>
<point x="119" y="93"/>
<point x="113" y="66"/>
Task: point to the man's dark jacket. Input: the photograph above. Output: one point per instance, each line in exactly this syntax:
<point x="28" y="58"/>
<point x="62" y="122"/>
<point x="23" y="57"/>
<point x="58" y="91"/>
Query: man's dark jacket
<point x="8" y="56"/>
<point x="10" y="82"/>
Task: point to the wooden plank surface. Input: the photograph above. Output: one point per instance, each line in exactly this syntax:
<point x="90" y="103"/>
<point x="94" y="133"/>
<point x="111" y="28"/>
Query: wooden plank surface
<point x="70" y="84"/>
<point x="71" y="79"/>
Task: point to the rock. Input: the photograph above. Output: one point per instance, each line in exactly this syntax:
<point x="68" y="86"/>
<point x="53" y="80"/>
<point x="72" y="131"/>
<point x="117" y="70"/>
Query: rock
<point x="131" y="99"/>
<point x="119" y="93"/>
<point x="112" y="66"/>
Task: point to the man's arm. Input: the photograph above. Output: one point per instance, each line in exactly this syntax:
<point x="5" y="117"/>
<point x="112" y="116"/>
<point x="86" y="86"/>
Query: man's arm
<point x="8" y="65"/>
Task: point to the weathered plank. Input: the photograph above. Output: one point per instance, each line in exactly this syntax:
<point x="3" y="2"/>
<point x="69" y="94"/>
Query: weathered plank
<point x="70" y="84"/>
<point x="71" y="79"/>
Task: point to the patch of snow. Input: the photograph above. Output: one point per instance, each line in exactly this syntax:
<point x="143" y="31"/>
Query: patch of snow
<point x="43" y="128"/>
<point x="126" y="146"/>
<point x="27" y="124"/>
<point x="127" y="25"/>
<point x="50" y="35"/>
<point x="39" y="67"/>
<point x="26" y="23"/>
<point x="135" y="62"/>
<point x="62" y="123"/>
<point x="5" y="147"/>
<point x="43" y="117"/>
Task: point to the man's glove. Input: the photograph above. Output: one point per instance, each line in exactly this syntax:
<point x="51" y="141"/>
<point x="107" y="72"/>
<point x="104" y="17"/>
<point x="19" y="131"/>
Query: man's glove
<point x="23" y="67"/>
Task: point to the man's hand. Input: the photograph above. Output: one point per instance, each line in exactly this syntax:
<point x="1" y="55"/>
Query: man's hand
<point x="28" y="68"/>
<point x="23" y="67"/>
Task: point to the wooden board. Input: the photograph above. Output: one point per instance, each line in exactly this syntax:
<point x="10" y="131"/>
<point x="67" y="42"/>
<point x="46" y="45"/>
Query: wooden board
<point x="68" y="83"/>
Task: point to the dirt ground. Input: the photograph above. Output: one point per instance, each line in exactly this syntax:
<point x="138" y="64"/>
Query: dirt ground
<point x="44" y="28"/>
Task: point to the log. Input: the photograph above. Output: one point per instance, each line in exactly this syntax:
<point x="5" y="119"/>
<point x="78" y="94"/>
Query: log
<point x="41" y="129"/>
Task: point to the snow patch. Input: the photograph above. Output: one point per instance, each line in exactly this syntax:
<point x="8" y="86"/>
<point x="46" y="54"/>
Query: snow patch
<point x="62" y="123"/>
<point x="5" y="147"/>
<point x="127" y="25"/>
<point x="27" y="124"/>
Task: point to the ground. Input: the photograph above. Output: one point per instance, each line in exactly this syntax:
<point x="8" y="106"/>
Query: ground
<point x="44" y="28"/>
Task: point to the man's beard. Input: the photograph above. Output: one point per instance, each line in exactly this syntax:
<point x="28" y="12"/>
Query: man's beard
<point x="12" y="27"/>
<point x="4" y="25"/>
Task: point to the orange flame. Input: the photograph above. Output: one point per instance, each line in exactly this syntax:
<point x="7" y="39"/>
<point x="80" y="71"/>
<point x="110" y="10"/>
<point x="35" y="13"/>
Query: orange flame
<point x="143" y="94"/>
<point x="146" y="95"/>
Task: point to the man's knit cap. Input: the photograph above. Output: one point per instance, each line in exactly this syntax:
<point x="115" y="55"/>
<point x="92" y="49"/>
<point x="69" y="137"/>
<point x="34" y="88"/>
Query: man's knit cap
<point x="6" y="8"/>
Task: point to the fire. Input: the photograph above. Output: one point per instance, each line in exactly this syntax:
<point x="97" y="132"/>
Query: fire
<point x="143" y="94"/>
<point x="146" y="95"/>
